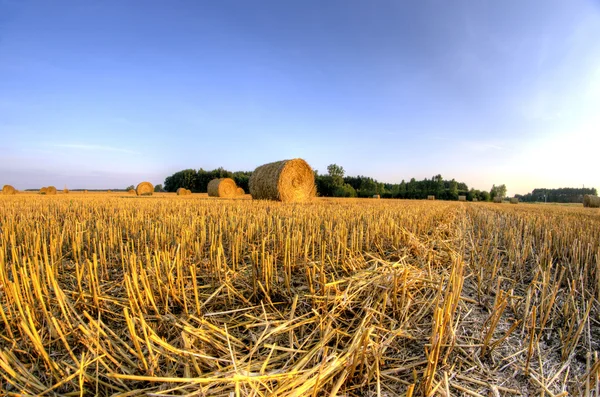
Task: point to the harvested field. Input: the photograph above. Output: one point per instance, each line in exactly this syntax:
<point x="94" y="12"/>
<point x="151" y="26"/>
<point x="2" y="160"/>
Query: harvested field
<point x="104" y="295"/>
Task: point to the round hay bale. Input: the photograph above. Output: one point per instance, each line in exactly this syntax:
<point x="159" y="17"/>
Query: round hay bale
<point x="475" y="200"/>
<point x="8" y="189"/>
<point x="144" y="189"/>
<point x="286" y="180"/>
<point x="376" y="196"/>
<point x="131" y="191"/>
<point x="50" y="190"/>
<point x="462" y="198"/>
<point x="183" y="191"/>
<point x="85" y="191"/>
<point x="222" y="187"/>
<point x="240" y="191"/>
<point x="65" y="191"/>
<point x="590" y="201"/>
<point x="44" y="190"/>
<point x="514" y="200"/>
<point x="497" y="199"/>
<point x="430" y="197"/>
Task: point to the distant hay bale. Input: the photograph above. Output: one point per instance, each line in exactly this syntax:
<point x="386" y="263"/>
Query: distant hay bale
<point x="430" y="197"/>
<point x="286" y="180"/>
<point x="65" y="191"/>
<point x="50" y="190"/>
<point x="240" y="191"/>
<point x="514" y="200"/>
<point x="462" y="198"/>
<point x="222" y="187"/>
<point x="108" y="191"/>
<point x="475" y="200"/>
<point x="44" y="190"/>
<point x="131" y="191"/>
<point x="497" y="199"/>
<point x="144" y="189"/>
<point x="8" y="189"/>
<point x="85" y="191"/>
<point x="183" y="191"/>
<point x="376" y="196"/>
<point x="590" y="201"/>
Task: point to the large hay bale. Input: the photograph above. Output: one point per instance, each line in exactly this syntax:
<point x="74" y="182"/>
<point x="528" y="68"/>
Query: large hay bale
<point x="222" y="187"/>
<point x="462" y="198"/>
<point x="240" y="191"/>
<point x="8" y="189"/>
<point x="144" y="189"/>
<point x="514" y="200"/>
<point x="430" y="197"/>
<point x="590" y="201"/>
<point x="50" y="190"/>
<point x="497" y="199"/>
<point x="286" y="180"/>
<point x="183" y="191"/>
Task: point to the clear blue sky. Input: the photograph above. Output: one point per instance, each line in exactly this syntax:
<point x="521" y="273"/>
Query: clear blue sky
<point x="101" y="94"/>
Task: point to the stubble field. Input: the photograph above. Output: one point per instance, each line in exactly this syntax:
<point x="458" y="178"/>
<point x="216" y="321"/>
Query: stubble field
<point x="185" y="295"/>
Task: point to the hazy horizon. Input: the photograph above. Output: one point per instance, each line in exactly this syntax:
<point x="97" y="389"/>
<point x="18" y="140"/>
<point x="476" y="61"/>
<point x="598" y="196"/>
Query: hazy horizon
<point x="105" y="95"/>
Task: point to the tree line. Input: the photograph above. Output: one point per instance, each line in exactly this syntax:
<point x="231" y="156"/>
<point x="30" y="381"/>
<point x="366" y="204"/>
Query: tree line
<point x="336" y="184"/>
<point x="197" y="181"/>
<point x="561" y="195"/>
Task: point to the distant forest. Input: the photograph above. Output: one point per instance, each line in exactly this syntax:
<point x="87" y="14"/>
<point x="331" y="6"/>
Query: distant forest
<point x="562" y="195"/>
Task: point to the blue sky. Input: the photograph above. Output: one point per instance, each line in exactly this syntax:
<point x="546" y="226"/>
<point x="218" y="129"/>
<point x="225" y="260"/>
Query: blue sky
<point x="104" y="94"/>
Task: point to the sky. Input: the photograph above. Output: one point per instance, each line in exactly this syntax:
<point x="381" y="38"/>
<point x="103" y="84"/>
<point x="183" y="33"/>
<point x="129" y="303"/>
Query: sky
<point x="105" y="94"/>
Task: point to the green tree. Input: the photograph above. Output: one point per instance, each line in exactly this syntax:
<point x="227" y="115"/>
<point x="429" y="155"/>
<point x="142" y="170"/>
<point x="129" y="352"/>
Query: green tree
<point x="158" y="188"/>
<point x="336" y="173"/>
<point x="498" y="191"/>
<point x="453" y="190"/>
<point x="130" y="187"/>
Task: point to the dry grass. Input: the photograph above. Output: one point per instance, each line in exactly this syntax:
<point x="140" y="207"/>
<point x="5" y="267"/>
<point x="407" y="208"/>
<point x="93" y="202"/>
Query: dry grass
<point x="104" y="295"/>
<point x="286" y="180"/>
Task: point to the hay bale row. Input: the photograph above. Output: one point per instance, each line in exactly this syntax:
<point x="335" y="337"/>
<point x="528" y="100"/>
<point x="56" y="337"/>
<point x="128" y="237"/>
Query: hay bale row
<point x="144" y="189"/>
<point x="497" y="199"/>
<point x="590" y="201"/>
<point x="222" y="187"/>
<point x="514" y="200"/>
<point x="462" y="198"/>
<point x="286" y="180"/>
<point x="8" y="189"/>
<point x="183" y="191"/>
<point x="430" y="197"/>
